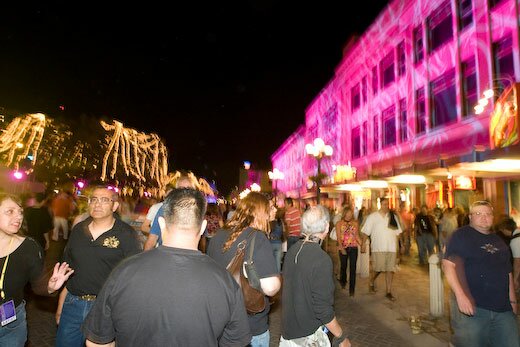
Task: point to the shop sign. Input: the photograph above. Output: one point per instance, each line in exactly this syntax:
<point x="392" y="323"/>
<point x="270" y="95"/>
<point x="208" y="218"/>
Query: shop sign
<point x="344" y="173"/>
<point x="464" y="183"/>
<point x="503" y="123"/>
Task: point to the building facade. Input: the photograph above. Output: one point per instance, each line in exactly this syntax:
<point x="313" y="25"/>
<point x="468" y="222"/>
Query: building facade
<point x="402" y="101"/>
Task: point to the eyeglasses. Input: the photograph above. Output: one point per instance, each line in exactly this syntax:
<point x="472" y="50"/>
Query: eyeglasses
<point x="103" y="200"/>
<point x="483" y="214"/>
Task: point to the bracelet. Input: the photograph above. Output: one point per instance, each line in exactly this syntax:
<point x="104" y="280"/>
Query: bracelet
<point x="513" y="302"/>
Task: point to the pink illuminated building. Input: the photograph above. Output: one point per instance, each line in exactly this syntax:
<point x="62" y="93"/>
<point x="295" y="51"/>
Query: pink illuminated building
<point x="402" y="101"/>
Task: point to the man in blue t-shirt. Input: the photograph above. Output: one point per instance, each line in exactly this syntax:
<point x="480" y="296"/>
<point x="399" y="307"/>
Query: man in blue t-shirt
<point x="478" y="268"/>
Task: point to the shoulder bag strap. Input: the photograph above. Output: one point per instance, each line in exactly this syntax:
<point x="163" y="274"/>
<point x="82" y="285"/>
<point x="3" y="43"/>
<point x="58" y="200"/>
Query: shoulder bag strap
<point x="251" y="248"/>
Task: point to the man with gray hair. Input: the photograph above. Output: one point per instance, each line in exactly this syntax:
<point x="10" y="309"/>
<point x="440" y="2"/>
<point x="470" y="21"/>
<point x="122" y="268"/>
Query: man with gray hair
<point x="308" y="287"/>
<point x="172" y="295"/>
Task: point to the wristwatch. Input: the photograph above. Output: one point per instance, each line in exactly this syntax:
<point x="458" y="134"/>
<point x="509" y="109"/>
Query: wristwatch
<point x="337" y="340"/>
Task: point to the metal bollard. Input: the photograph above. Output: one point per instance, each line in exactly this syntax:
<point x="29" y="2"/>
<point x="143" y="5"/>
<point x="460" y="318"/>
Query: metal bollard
<point x="436" y="286"/>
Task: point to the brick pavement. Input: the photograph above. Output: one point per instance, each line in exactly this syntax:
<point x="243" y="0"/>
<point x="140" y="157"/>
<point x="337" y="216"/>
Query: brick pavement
<point x="370" y="319"/>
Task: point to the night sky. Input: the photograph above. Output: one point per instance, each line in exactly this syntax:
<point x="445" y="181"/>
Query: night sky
<point x="220" y="82"/>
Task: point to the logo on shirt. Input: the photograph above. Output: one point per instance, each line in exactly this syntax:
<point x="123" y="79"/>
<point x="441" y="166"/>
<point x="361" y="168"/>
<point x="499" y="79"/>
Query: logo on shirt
<point x="489" y="248"/>
<point x="111" y="242"/>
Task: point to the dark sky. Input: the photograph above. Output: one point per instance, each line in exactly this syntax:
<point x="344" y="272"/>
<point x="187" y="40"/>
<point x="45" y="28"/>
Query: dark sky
<point x="221" y="82"/>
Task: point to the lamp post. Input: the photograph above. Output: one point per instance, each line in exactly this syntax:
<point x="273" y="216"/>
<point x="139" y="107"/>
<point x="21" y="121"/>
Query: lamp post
<point x="318" y="149"/>
<point x="274" y="176"/>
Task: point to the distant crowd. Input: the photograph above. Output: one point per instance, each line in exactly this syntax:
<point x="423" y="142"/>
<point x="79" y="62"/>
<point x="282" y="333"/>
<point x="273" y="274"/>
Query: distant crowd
<point x="185" y="272"/>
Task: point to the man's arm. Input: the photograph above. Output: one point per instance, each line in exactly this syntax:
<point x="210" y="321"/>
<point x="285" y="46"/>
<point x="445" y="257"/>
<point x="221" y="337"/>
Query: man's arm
<point x="516" y="273"/>
<point x="151" y="241"/>
<point x="47" y="241"/>
<point x="270" y="285"/>
<point x="335" y="329"/>
<point x="512" y="294"/>
<point x="61" y="299"/>
<point x="364" y="238"/>
<point x="236" y="332"/>
<point x="145" y="227"/>
<point x="464" y="303"/>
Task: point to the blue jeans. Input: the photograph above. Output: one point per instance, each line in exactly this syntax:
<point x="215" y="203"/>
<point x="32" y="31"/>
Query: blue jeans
<point x="261" y="340"/>
<point x="425" y="246"/>
<point x="484" y="328"/>
<point x="14" y="334"/>
<point x="277" y="252"/>
<point x="73" y="314"/>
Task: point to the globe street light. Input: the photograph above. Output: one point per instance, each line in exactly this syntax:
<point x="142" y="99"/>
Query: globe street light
<point x="274" y="176"/>
<point x="318" y="149"/>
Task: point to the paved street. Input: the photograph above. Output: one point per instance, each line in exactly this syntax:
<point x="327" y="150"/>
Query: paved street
<point x="370" y="319"/>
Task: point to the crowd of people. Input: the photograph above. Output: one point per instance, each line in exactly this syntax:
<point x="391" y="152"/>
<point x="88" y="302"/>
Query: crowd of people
<point x="164" y="281"/>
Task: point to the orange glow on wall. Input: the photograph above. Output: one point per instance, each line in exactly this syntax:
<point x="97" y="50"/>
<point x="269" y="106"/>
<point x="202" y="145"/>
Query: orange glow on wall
<point x="450" y="193"/>
<point x="464" y="183"/>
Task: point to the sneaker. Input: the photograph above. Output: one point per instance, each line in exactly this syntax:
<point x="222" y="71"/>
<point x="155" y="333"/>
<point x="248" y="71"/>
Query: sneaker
<point x="390" y="297"/>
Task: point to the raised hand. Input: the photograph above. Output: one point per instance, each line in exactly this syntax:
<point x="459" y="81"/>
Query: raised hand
<point x="60" y="274"/>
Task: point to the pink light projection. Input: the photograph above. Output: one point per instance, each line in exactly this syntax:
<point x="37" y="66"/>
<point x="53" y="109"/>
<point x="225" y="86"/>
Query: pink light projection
<point x="405" y="85"/>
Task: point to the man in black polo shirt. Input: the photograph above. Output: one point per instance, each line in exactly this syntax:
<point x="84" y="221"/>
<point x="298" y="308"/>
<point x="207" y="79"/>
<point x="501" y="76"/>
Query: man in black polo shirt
<point x="95" y="247"/>
<point x="172" y="295"/>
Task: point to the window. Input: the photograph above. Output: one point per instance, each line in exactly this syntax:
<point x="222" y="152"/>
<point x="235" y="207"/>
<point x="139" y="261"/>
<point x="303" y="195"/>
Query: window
<point x="376" y="133"/>
<point x="364" y="89"/>
<point x="387" y="70"/>
<point x="330" y="119"/>
<point x="469" y="87"/>
<point x="418" y="44"/>
<point x="440" y="27"/>
<point x="493" y="3"/>
<point x="374" y="80"/>
<point x="356" y="143"/>
<point x="401" y="59"/>
<point x="403" y="121"/>
<point x="365" y="137"/>
<point x="355" y="98"/>
<point x="389" y="132"/>
<point x="443" y="99"/>
<point x="420" y="111"/>
<point x="465" y="17"/>
<point x="503" y="62"/>
<point x="313" y="131"/>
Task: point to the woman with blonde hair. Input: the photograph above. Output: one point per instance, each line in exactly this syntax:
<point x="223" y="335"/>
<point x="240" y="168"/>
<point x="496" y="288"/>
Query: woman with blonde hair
<point x="251" y="220"/>
<point x="349" y="241"/>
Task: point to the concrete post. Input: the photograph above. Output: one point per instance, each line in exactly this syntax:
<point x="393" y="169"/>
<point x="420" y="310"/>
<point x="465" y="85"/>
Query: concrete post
<point x="436" y="286"/>
<point x="363" y="262"/>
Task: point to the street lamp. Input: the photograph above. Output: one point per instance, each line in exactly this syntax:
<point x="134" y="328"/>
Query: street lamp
<point x="318" y="149"/>
<point x="274" y="176"/>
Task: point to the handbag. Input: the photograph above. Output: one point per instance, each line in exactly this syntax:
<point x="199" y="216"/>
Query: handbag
<point x="318" y="339"/>
<point x="245" y="274"/>
<point x="333" y="234"/>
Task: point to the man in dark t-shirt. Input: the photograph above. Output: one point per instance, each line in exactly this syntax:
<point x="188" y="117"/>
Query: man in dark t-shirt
<point x="94" y="248"/>
<point x="39" y="220"/>
<point x="172" y="295"/>
<point x="478" y="268"/>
